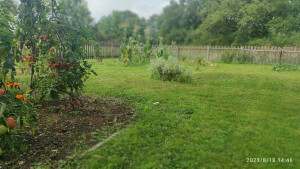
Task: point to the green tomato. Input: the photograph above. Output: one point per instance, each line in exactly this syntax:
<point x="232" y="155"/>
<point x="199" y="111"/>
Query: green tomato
<point x="3" y="130"/>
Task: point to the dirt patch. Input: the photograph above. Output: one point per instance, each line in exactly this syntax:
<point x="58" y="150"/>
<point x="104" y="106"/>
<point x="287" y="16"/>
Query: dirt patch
<point x="61" y="132"/>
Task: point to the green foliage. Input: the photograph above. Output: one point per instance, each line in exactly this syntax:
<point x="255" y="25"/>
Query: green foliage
<point x="162" y="52"/>
<point x="147" y="51"/>
<point x="169" y="70"/>
<point x="7" y="12"/>
<point x="200" y="60"/>
<point x="130" y="50"/>
<point x="134" y="52"/>
<point x="243" y="58"/>
<point x="110" y="28"/>
<point x="234" y="22"/>
<point x="77" y="11"/>
<point x="230" y="56"/>
<point x="56" y="45"/>
<point x="15" y="103"/>
<point x="227" y="56"/>
<point x="280" y="67"/>
<point x="183" y="58"/>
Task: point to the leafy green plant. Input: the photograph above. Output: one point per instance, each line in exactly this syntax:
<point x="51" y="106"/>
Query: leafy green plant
<point x="147" y="51"/>
<point x="200" y="61"/>
<point x="183" y="58"/>
<point x="279" y="67"/>
<point x="169" y="70"/>
<point x="134" y="52"/>
<point x="15" y="108"/>
<point x="243" y="58"/>
<point x="227" y="56"/>
<point x="129" y="49"/>
<point x="162" y="52"/>
<point x="230" y="57"/>
<point x="56" y="47"/>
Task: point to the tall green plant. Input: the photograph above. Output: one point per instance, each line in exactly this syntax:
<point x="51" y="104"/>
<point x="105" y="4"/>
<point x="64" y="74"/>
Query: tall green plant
<point x="14" y="101"/>
<point x="134" y="52"/>
<point x="56" y="45"/>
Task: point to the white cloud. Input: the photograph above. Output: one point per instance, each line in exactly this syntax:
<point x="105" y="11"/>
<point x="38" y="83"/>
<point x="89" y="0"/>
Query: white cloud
<point x="144" y="8"/>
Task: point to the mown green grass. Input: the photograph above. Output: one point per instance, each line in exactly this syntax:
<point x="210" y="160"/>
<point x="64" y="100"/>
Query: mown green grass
<point x="228" y="114"/>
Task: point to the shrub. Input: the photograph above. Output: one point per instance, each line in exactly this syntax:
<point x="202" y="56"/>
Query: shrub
<point x="279" y="67"/>
<point x="230" y="57"/>
<point x="183" y="58"/>
<point x="244" y="58"/>
<point x="200" y="60"/>
<point x="169" y="70"/>
<point x="227" y="56"/>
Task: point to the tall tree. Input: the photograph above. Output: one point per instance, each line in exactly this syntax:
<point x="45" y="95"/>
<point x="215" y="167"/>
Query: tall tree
<point x="111" y="28"/>
<point x="77" y="10"/>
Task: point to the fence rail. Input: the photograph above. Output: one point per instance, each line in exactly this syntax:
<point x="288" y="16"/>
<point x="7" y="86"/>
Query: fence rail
<point x="260" y="54"/>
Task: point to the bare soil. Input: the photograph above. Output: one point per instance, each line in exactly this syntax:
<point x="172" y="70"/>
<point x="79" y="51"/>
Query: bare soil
<point x="61" y="133"/>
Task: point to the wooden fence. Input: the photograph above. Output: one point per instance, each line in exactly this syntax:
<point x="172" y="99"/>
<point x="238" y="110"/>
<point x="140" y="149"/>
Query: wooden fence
<point x="260" y="54"/>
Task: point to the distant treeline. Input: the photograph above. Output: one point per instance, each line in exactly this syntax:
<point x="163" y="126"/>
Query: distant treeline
<point x="211" y="22"/>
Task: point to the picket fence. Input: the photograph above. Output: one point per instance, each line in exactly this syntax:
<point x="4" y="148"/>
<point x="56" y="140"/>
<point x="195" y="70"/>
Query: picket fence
<point x="260" y="54"/>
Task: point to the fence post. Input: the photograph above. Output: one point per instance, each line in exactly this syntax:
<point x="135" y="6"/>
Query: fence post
<point x="280" y="56"/>
<point x="207" y="54"/>
<point x="178" y="49"/>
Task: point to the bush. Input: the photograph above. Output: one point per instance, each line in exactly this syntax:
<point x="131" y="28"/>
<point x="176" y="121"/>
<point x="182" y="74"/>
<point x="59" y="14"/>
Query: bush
<point x="230" y="57"/>
<point x="279" y="67"/>
<point x="183" y="58"/>
<point x="169" y="70"/>
<point x="227" y="56"/>
<point x="244" y="58"/>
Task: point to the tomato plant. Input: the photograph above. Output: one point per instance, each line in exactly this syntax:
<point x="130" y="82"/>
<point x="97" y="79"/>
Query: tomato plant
<point x="57" y="45"/>
<point x="16" y="109"/>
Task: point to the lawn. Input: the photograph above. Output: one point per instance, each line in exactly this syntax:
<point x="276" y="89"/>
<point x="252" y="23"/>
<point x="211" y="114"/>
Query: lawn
<point x="228" y="113"/>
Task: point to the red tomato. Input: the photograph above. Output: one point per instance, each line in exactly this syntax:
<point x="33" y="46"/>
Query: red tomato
<point x="11" y="123"/>
<point x="2" y="92"/>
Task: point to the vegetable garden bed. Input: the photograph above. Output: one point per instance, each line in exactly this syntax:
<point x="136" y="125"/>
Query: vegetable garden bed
<point x="61" y="132"/>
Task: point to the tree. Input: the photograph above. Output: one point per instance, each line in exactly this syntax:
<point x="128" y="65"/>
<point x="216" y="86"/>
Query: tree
<point x="77" y="11"/>
<point x="111" y="28"/>
<point x="7" y="19"/>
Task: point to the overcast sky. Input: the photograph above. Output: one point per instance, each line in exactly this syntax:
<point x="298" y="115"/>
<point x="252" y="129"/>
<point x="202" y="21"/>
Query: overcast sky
<point x="144" y="8"/>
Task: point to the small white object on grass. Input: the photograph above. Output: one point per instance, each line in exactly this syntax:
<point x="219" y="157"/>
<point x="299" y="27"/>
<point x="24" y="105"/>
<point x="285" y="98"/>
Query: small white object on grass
<point x="156" y="103"/>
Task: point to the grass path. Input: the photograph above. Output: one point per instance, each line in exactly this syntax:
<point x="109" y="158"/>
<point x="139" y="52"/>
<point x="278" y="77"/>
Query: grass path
<point x="230" y="113"/>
